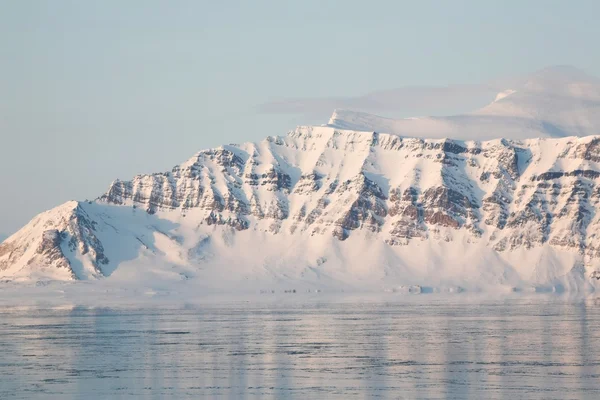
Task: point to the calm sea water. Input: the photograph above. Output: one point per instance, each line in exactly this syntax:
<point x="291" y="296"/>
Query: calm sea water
<point x="426" y="348"/>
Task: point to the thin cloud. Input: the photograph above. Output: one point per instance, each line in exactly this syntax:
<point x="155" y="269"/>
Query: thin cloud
<point x="405" y="101"/>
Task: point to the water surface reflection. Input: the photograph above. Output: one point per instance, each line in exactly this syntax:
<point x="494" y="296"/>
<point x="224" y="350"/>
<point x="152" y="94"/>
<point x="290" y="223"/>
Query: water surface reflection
<point x="430" y="348"/>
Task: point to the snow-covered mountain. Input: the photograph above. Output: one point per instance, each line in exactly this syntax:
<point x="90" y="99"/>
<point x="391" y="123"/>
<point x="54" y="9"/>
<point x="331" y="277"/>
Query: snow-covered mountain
<point x="326" y="206"/>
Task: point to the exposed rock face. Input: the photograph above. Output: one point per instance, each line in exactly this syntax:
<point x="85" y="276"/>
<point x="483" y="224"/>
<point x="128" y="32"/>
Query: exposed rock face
<point x="49" y="249"/>
<point x="409" y="221"/>
<point x="367" y="210"/>
<point x="324" y="182"/>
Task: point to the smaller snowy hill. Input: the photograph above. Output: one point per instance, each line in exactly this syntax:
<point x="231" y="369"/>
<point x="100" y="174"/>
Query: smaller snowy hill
<point x="554" y="102"/>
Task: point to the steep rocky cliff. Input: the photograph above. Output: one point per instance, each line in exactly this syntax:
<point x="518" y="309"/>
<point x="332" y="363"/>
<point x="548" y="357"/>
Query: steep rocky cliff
<point x="325" y="205"/>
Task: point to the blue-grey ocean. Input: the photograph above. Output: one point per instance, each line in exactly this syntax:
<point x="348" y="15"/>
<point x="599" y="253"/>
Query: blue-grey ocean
<point x="429" y="348"/>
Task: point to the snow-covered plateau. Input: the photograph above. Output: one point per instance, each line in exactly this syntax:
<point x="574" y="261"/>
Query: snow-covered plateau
<point x="346" y="206"/>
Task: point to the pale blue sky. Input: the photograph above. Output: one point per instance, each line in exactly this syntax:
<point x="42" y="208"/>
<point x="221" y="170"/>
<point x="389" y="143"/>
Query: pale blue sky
<point x="91" y="91"/>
